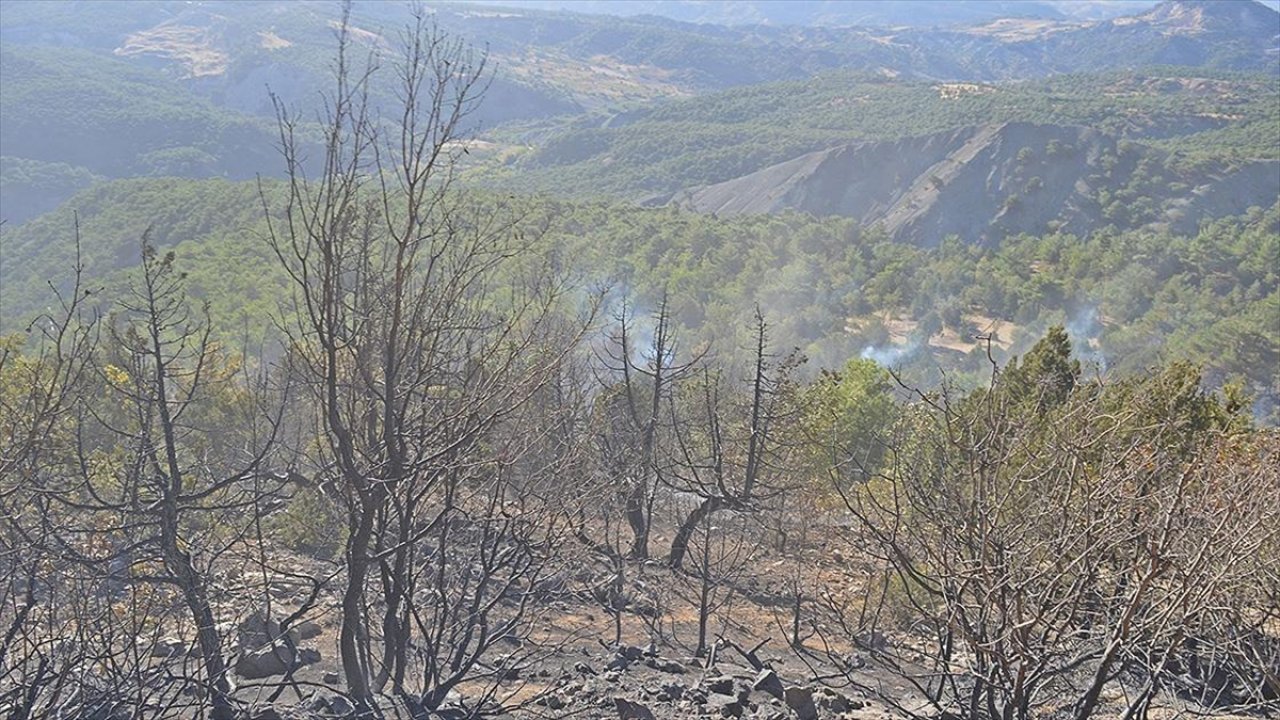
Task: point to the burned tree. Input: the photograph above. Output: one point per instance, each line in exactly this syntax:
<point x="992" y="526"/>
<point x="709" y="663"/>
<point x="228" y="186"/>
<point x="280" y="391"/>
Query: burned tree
<point x="136" y="493"/>
<point x="729" y="455"/>
<point x="187" y="488"/>
<point x="641" y="378"/>
<point x="425" y="329"/>
<point x="1043" y="541"/>
<point x="42" y="381"/>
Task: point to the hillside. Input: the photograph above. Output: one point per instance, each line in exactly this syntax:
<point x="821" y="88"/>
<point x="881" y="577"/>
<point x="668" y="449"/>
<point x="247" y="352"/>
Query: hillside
<point x="1236" y="34"/>
<point x="91" y="115"/>
<point x="699" y="141"/>
<point x="182" y="88"/>
<point x="988" y="182"/>
<point x="832" y="288"/>
<point x="776" y="12"/>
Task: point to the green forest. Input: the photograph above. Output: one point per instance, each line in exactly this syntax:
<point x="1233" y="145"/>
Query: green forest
<point x="1138" y="298"/>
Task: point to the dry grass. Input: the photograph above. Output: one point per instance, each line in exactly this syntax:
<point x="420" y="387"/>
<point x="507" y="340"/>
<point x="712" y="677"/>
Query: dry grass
<point x="600" y="79"/>
<point x="192" y="47"/>
<point x="1022" y="30"/>
<point x="901" y="328"/>
<point x="272" y="41"/>
<point x="953" y="91"/>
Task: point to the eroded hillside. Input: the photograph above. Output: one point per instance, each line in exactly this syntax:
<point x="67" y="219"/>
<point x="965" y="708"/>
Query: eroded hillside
<point x="986" y="182"/>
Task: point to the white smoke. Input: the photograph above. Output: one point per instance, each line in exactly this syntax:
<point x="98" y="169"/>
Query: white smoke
<point x="889" y="355"/>
<point x="1085" y="330"/>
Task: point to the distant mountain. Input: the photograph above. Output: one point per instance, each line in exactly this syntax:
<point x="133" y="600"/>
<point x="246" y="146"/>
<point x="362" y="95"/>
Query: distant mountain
<point x="1236" y="34"/>
<point x="1201" y="116"/>
<point x="985" y="183"/>
<point x="560" y="62"/>
<point x="998" y="41"/>
<point x="845" y="13"/>
<point x="182" y="88"/>
<point x="1192" y="17"/>
<point x="837" y="13"/>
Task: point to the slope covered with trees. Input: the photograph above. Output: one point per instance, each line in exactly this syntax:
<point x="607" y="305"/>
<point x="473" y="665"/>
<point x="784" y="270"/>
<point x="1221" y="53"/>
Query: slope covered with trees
<point x="714" y="138"/>
<point x="106" y="117"/>
<point x="832" y="288"/>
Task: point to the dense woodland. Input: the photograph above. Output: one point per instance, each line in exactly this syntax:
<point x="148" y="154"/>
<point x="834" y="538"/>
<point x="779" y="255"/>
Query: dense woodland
<point x="374" y="435"/>
<point x="1135" y="299"/>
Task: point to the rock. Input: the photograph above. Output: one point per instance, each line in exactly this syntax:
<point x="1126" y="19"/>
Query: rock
<point x="675" y="691"/>
<point x="508" y="669"/>
<point x="274" y="659"/>
<point x="583" y="668"/>
<point x="725" y="706"/>
<point x="628" y="710"/>
<point x="644" y="607"/>
<point x="666" y="666"/>
<point x="833" y="702"/>
<point x="873" y="640"/>
<point x="257" y="630"/>
<point x="853" y="661"/>
<point x="330" y="678"/>
<point x="553" y="701"/>
<point x="630" y="652"/>
<point x="340" y="706"/>
<point x="800" y="699"/>
<point x="618" y="664"/>
<point x="169" y="647"/>
<point x="723" y="685"/>
<point x="767" y="681"/>
<point x="307" y="629"/>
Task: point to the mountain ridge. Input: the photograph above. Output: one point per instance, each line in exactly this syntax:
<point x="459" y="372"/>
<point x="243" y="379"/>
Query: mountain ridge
<point x="207" y="68"/>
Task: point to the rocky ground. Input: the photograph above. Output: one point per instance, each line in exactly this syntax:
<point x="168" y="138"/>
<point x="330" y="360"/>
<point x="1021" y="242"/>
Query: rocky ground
<point x="568" y="665"/>
<point x="628" y="682"/>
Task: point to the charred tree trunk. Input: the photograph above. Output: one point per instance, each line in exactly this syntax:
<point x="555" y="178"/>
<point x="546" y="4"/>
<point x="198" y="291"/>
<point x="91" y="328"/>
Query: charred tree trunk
<point x="684" y="535"/>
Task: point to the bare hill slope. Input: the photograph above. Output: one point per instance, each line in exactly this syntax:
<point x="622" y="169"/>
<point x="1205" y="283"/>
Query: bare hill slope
<point x="988" y="181"/>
